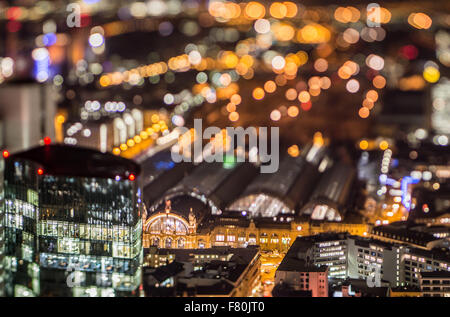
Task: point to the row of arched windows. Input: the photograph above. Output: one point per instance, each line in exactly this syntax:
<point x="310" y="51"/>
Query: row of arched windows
<point x="252" y="238"/>
<point x="168" y="242"/>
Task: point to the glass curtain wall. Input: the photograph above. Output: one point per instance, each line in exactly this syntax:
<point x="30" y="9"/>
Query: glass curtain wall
<point x="71" y="236"/>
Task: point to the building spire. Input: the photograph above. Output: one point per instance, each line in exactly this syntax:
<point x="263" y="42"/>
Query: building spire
<point x="168" y="206"/>
<point x="192" y="222"/>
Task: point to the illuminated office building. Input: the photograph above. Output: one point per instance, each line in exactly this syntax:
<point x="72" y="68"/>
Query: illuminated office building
<point x="370" y="259"/>
<point x="72" y="223"/>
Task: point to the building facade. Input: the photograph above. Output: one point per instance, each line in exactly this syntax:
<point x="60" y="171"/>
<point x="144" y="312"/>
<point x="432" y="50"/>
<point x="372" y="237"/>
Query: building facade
<point x="377" y="262"/>
<point x="72" y="223"/>
<point x="215" y="272"/>
<point x="435" y="284"/>
<point x="172" y="229"/>
<point x="20" y="127"/>
<point x="2" y="230"/>
<point x="300" y="274"/>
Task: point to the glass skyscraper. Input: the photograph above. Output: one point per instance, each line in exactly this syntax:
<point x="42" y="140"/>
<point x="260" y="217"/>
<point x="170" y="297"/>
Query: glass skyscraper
<point x="72" y="223"/>
<point x="2" y="231"/>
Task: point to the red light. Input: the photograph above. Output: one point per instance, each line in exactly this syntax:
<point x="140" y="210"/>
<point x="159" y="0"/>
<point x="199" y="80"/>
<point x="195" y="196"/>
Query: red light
<point x="13" y="26"/>
<point x="40" y="171"/>
<point x="47" y="140"/>
<point x="85" y="20"/>
<point x="409" y="52"/>
<point x="131" y="177"/>
<point x="5" y="154"/>
<point x="306" y="106"/>
<point x="13" y="13"/>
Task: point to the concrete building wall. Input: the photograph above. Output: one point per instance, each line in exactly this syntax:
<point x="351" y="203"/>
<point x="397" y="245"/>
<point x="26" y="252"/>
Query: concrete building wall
<point x="316" y="282"/>
<point x="2" y="232"/>
<point x="27" y="112"/>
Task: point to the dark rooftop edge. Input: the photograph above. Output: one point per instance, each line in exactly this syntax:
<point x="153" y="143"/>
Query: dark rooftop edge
<point x="65" y="160"/>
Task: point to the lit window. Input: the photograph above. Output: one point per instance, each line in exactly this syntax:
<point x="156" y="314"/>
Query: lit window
<point x="231" y="238"/>
<point x="220" y="237"/>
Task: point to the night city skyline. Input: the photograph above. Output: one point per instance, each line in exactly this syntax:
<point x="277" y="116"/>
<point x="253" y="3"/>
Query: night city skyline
<point x="224" y="148"/>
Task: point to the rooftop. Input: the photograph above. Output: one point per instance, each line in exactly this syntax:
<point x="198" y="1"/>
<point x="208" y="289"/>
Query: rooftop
<point x="360" y="285"/>
<point x="405" y="289"/>
<point x="63" y="160"/>
<point x="164" y="272"/>
<point x="240" y="191"/>
<point x="186" y="255"/>
<point x="215" y="276"/>
<point x="401" y="231"/>
<point x="292" y="263"/>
